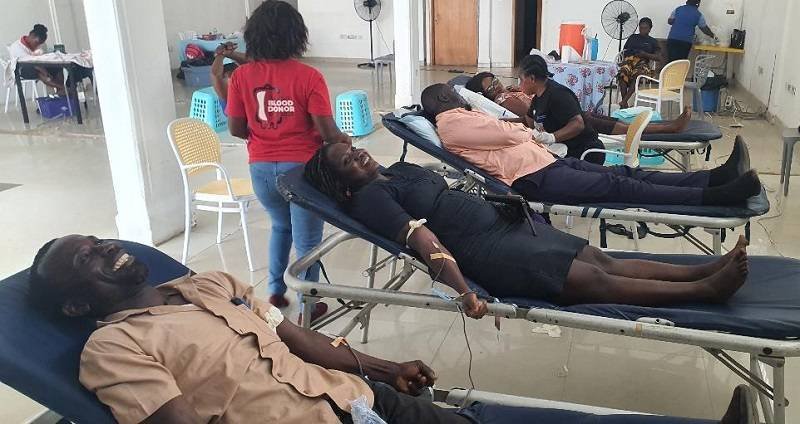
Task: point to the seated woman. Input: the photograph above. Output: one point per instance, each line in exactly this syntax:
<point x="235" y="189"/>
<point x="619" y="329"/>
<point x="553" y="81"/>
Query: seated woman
<point x="513" y="99"/>
<point x="498" y="249"/>
<point x="33" y="45"/>
<point x="640" y="51"/>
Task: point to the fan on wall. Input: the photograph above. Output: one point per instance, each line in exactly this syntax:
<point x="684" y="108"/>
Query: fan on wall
<point x="368" y="10"/>
<point x="620" y="20"/>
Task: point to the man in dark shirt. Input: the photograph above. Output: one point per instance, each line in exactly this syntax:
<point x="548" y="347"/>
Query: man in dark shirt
<point x="556" y="112"/>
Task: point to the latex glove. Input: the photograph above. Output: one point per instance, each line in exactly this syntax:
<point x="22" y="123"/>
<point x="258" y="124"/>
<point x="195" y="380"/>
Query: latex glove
<point x="546" y="138"/>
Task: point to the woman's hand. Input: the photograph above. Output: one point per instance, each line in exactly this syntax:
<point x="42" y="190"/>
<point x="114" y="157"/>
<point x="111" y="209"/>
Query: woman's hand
<point x="341" y="138"/>
<point x="474" y="307"/>
<point x="412" y="377"/>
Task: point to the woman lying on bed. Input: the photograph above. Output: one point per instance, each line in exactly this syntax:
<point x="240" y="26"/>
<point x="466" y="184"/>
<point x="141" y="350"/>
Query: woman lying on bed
<point x="455" y="232"/>
<point x="513" y="99"/>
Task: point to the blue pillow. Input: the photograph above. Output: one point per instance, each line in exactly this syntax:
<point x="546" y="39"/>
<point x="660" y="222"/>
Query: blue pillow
<point x="422" y="127"/>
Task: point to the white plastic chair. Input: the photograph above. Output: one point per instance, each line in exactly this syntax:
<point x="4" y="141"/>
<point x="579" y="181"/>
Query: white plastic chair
<point x="27" y="85"/>
<point x="633" y="138"/>
<point x="670" y="83"/>
<point x="197" y="149"/>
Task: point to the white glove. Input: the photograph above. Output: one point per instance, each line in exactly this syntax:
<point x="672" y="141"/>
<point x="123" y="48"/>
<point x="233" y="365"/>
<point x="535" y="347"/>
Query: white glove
<point x="545" y="138"/>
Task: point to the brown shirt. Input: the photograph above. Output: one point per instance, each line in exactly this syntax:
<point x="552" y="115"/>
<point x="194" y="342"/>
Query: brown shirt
<point x="225" y="359"/>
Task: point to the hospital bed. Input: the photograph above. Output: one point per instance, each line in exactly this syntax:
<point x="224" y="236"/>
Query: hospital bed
<point x="39" y="358"/>
<point x="715" y="220"/>
<point x="697" y="137"/>
<point x="762" y="320"/>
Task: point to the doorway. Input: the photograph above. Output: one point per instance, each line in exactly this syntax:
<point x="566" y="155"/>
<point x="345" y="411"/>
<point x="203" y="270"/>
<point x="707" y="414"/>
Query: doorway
<point x="454" y="32"/>
<point x="527" y="27"/>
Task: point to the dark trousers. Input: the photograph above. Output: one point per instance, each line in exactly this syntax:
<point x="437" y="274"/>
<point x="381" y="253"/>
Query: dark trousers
<point x="399" y="408"/>
<point x="576" y="182"/>
<point x="678" y="50"/>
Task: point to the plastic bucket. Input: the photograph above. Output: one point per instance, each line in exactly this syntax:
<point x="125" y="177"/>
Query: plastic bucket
<point x="710" y="100"/>
<point x="572" y="35"/>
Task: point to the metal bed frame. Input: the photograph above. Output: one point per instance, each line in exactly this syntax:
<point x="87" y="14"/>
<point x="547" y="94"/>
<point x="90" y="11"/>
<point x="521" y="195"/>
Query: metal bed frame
<point x="762" y="352"/>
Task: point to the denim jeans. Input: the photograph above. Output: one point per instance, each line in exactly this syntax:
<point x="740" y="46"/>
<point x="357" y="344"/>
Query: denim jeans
<point x="290" y="223"/>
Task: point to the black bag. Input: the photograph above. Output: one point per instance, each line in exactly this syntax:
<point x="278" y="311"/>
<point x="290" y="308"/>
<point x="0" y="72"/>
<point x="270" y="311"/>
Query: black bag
<point x="737" y="39"/>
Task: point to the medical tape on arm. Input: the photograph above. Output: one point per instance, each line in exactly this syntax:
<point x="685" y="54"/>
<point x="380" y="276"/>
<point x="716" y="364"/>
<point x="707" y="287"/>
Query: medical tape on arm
<point x="413" y="225"/>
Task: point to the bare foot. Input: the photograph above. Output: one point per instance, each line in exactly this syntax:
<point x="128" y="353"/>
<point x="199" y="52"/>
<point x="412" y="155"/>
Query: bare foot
<point x="683" y="120"/>
<point x="711" y="268"/>
<point x="722" y="285"/>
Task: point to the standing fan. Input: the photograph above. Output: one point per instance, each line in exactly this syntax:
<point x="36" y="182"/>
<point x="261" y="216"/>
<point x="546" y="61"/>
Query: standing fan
<point x="368" y="10"/>
<point x="620" y="20"/>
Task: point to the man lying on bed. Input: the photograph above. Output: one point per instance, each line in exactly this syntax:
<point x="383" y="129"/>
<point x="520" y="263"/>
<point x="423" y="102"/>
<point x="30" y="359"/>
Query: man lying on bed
<point x="510" y="153"/>
<point x="202" y="348"/>
<point x="519" y="103"/>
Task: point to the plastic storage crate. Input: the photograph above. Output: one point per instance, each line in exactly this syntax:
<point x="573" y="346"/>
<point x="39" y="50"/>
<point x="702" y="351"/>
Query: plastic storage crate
<point x="55" y="107"/>
<point x="207" y="108"/>
<point x="353" y="115"/>
<point x="197" y="76"/>
<point x="647" y="157"/>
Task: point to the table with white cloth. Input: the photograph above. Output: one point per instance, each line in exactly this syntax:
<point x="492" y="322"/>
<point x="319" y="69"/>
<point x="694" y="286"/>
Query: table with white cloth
<point x="588" y="80"/>
<point x="209" y="46"/>
<point x="66" y="61"/>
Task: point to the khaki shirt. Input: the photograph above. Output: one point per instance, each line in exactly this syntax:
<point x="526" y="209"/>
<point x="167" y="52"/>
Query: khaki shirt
<point x="506" y="151"/>
<point x="225" y="359"/>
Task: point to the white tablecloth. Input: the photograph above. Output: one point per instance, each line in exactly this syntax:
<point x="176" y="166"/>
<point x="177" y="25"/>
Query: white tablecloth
<point x="587" y="80"/>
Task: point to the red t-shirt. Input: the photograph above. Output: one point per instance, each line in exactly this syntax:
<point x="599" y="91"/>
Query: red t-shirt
<point x="278" y="98"/>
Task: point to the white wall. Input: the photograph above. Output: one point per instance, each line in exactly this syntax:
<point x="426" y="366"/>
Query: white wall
<point x="787" y="105"/>
<point x="555" y="12"/>
<point x="202" y="16"/>
<point x="328" y="20"/>
<point x="19" y="16"/>
<point x="495" y="33"/>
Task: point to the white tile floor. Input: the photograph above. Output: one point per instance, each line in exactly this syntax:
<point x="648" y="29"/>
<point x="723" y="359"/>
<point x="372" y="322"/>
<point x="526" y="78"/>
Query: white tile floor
<point x="65" y="188"/>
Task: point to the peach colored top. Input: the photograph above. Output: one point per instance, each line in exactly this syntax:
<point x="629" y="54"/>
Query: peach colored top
<point x="506" y="151"/>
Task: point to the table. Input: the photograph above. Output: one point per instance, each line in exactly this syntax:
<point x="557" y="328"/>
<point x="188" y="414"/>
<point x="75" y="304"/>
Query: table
<point x="209" y="45"/>
<point x="790" y="137"/>
<point x="67" y="65"/>
<point x="588" y="80"/>
<point x="727" y="51"/>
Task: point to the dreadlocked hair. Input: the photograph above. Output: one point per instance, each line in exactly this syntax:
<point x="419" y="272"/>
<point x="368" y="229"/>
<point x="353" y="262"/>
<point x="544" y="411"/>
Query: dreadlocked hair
<point x="322" y="176"/>
<point x="275" y="31"/>
<point x="42" y="294"/>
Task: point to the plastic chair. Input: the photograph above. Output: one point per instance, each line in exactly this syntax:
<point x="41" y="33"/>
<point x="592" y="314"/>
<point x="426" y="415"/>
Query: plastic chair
<point x="630" y="151"/>
<point x="670" y="83"/>
<point x="197" y="149"/>
<point x="353" y="115"/>
<point x="205" y="107"/>
<point x="30" y="85"/>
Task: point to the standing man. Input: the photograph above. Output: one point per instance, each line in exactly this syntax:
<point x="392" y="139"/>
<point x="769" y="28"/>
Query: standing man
<point x="684" y="20"/>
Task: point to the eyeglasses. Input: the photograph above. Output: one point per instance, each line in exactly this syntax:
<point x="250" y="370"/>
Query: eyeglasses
<point x="494" y="87"/>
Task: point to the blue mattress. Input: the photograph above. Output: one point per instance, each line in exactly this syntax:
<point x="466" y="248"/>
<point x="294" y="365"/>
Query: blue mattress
<point x="755" y="206"/>
<point x="767" y="306"/>
<point x="698" y="131"/>
<point x="40" y="357"/>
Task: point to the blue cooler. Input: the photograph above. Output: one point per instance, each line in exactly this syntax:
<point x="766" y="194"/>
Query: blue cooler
<point x="710" y="100"/>
<point x="197" y="76"/>
<point x="57" y="107"/>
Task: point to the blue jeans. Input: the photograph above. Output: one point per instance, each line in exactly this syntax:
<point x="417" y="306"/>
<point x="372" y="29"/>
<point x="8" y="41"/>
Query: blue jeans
<point x="290" y="223"/>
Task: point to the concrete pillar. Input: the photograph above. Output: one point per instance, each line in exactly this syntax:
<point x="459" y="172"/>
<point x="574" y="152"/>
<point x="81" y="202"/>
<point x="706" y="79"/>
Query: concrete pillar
<point x="129" y="46"/>
<point x="406" y="44"/>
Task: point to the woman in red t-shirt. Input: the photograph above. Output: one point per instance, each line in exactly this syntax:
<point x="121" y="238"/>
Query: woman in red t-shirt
<point x="282" y="108"/>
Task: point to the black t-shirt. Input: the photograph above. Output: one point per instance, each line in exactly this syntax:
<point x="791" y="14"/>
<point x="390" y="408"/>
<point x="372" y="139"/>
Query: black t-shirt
<point x="554" y="109"/>
<point x="641" y="43"/>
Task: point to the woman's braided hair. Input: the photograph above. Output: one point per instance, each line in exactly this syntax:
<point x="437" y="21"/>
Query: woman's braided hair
<point x="275" y="31"/>
<point x="320" y="174"/>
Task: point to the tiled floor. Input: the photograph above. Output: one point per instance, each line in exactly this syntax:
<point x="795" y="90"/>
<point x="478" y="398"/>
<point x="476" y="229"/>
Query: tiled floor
<point x="65" y="187"/>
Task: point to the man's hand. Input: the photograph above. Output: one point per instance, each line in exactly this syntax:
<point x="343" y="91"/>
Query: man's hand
<point x="474" y="307"/>
<point x="412" y="377"/>
<point x="546" y="138"/>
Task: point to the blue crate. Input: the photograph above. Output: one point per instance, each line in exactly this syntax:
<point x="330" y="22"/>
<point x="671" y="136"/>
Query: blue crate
<point x="56" y="107"/>
<point x="197" y="76"/>
<point x="612" y="160"/>
<point x="353" y="115"/>
<point x="207" y="108"/>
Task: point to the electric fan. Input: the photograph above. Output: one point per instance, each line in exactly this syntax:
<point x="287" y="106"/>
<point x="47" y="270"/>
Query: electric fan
<point x="620" y="20"/>
<point x="368" y="10"/>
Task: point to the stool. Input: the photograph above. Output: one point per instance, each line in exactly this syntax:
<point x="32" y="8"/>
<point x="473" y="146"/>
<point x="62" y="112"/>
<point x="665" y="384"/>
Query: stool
<point x="205" y="107"/>
<point x="353" y="115"/>
<point x="790" y="137"/>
